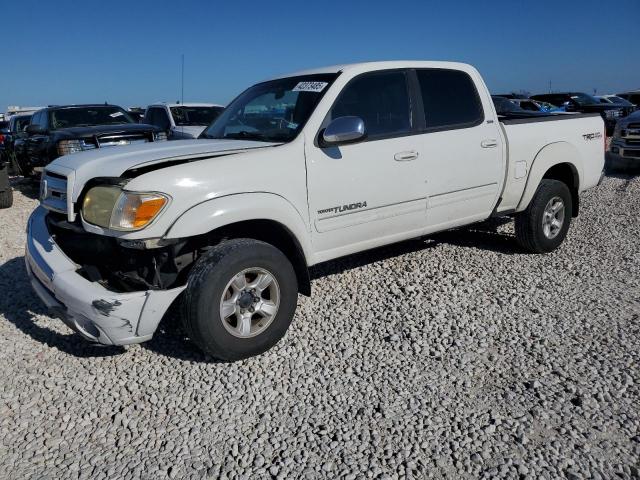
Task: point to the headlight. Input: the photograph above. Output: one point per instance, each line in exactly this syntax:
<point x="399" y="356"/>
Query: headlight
<point x="160" y="136"/>
<point x="65" y="147"/>
<point x="111" y="207"/>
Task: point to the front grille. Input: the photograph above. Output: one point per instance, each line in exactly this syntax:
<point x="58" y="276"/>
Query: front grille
<point x="53" y="192"/>
<point x="631" y="153"/>
<point x="114" y="140"/>
<point x="631" y="131"/>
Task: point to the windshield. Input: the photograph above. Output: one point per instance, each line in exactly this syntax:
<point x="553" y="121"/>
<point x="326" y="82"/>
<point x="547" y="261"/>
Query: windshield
<point x="195" y="115"/>
<point x="88" y="117"/>
<point x="584" y="99"/>
<point x="273" y="111"/>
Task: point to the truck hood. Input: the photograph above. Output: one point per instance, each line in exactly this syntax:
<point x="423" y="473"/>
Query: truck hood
<point x="82" y="132"/>
<point x="114" y="162"/>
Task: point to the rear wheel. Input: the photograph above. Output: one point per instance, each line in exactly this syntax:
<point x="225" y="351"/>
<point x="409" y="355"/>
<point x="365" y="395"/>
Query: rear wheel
<point x="544" y="224"/>
<point x="240" y="299"/>
<point x="6" y="193"/>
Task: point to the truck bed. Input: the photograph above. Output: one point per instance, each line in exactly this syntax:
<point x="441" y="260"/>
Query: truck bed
<point x="576" y="137"/>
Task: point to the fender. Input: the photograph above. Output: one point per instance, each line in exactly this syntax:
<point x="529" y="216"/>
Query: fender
<point x="548" y="156"/>
<point x="218" y="212"/>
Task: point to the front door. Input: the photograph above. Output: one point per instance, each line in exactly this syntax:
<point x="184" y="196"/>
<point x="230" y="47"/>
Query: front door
<point x="366" y="194"/>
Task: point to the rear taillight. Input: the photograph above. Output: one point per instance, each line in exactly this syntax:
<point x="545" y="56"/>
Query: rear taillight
<point x="1" y="139"/>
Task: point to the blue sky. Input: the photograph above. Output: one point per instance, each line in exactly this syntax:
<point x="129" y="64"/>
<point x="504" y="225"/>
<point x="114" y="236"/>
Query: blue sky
<point x="128" y="52"/>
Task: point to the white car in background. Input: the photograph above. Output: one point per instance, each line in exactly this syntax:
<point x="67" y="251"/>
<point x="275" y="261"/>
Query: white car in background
<point x="182" y="121"/>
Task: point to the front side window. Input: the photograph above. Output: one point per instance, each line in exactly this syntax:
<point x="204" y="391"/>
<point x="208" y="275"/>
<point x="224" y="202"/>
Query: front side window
<point x="88" y="117"/>
<point x="450" y="99"/>
<point x="274" y="111"/>
<point x="195" y="116"/>
<point x="381" y="100"/>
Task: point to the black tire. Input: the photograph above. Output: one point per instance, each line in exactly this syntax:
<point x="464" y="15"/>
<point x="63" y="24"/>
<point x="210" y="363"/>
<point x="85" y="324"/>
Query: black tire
<point x="6" y="198"/>
<point x="207" y="284"/>
<point x="6" y="193"/>
<point x="529" y="224"/>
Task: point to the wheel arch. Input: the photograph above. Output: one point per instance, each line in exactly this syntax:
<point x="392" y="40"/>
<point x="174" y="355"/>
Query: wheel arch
<point x="558" y="161"/>
<point x="261" y="216"/>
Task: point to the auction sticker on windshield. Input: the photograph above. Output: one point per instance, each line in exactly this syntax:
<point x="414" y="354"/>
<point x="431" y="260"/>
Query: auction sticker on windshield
<point x="309" y="87"/>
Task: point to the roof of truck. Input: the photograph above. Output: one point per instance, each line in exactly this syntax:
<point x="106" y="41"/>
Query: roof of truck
<point x="365" y="66"/>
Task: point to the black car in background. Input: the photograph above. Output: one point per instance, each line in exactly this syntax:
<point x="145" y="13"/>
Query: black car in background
<point x="584" y="103"/>
<point x="64" y="130"/>
<point x="627" y="107"/>
<point x="15" y="130"/>
<point x="6" y="194"/>
<point x="633" y="97"/>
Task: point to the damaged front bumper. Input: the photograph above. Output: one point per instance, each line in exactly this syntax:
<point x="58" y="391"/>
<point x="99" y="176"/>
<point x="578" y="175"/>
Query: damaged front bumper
<point x="98" y="314"/>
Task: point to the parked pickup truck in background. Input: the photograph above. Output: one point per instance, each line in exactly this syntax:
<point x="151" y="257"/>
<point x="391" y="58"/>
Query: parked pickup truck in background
<point x="624" y="150"/>
<point x="62" y="130"/>
<point x="584" y="103"/>
<point x="296" y="171"/>
<point x="13" y="130"/>
<point x="182" y="121"/>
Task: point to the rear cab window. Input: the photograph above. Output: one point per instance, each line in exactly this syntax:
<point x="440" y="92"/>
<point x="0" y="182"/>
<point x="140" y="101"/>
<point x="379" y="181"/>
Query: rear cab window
<point x="450" y="99"/>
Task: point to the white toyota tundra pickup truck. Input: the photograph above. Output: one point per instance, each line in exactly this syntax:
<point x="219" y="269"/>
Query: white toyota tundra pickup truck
<point x="296" y="171"/>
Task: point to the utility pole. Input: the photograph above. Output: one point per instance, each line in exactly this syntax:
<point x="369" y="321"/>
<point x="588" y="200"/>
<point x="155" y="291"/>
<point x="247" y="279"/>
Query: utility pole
<point x="182" y="82"/>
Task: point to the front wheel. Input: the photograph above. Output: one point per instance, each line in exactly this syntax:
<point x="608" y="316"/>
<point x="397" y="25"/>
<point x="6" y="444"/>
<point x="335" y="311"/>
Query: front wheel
<point x="544" y="224"/>
<point x="240" y="299"/>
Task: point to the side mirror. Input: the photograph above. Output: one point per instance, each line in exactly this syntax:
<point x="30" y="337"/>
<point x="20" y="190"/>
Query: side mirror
<point x="35" y="130"/>
<point x="344" y="130"/>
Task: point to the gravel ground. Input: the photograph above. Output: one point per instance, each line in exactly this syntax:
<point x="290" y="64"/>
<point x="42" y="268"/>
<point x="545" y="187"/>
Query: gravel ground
<point x="450" y="357"/>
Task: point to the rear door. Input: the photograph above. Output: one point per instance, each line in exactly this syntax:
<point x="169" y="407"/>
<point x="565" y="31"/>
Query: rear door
<point x="462" y="149"/>
<point x="364" y="193"/>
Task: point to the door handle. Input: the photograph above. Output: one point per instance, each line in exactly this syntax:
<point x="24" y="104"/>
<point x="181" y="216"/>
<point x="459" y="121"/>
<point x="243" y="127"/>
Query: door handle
<point x="405" y="156"/>
<point x="489" y="143"/>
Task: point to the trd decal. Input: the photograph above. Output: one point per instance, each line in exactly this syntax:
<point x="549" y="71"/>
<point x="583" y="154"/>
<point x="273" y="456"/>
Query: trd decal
<point x="592" y="136"/>
<point x="343" y="208"/>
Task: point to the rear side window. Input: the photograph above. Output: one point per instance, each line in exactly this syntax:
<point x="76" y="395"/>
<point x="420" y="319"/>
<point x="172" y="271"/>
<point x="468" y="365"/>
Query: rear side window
<point x="450" y="99"/>
<point x="381" y="100"/>
<point x="158" y="117"/>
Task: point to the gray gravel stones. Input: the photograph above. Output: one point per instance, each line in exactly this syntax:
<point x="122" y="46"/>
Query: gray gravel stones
<point x="451" y="357"/>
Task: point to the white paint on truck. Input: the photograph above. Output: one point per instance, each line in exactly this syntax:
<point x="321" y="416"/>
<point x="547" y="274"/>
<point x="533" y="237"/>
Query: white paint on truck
<point x="333" y="199"/>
